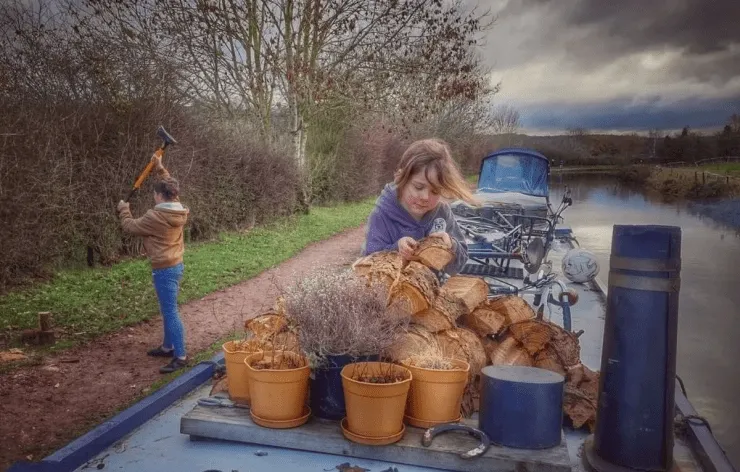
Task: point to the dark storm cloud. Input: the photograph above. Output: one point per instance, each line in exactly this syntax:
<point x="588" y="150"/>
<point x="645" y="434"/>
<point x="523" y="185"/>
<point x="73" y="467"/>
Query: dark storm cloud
<point x="620" y="115"/>
<point x="594" y="32"/>
<point x="628" y="64"/>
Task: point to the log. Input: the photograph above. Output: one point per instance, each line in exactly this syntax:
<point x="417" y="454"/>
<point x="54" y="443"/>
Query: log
<point x="433" y="252"/>
<point x="44" y="321"/>
<point x="471" y="290"/>
<point x="417" y="341"/>
<point x="285" y="341"/>
<point x="567" y="348"/>
<point x="471" y="400"/>
<point x="533" y="334"/>
<point x="484" y="320"/>
<point x="514" y="308"/>
<point x="463" y="344"/>
<point x="266" y="324"/>
<point x="511" y="352"/>
<point x="383" y="267"/>
<point x="489" y="345"/>
<point x="548" y="359"/>
<point x="581" y="400"/>
<point x="443" y="313"/>
<point x="579" y="408"/>
<point x="416" y="287"/>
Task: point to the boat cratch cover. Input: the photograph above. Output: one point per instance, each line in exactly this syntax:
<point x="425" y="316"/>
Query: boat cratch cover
<point x="515" y="170"/>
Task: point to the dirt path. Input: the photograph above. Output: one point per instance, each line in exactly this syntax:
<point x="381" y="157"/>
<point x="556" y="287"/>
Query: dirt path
<point x="44" y="407"/>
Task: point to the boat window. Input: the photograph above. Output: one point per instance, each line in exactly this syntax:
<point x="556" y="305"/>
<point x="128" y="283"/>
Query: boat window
<point x="513" y="172"/>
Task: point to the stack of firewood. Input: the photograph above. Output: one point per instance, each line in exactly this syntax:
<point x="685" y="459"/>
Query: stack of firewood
<point x="459" y="319"/>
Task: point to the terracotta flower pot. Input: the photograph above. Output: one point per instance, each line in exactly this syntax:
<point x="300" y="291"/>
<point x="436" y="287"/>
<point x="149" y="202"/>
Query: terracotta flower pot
<point x="436" y="394"/>
<point x="375" y="409"/>
<point x="278" y="394"/>
<point x="236" y="372"/>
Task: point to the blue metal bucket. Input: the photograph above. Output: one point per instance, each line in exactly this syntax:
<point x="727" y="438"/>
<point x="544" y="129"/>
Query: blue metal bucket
<point x="327" y="394"/>
<point x="521" y="407"/>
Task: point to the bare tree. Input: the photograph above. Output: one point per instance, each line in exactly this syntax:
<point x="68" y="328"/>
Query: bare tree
<point x="247" y="56"/>
<point x="504" y="119"/>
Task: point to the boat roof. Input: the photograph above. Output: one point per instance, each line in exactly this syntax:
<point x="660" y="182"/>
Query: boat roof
<point x="518" y="150"/>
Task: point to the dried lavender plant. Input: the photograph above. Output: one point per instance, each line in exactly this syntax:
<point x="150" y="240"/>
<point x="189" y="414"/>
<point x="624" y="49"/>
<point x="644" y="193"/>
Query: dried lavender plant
<point x="338" y="313"/>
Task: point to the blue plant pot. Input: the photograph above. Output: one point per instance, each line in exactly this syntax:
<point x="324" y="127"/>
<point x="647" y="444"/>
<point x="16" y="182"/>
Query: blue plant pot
<point x="327" y="394"/>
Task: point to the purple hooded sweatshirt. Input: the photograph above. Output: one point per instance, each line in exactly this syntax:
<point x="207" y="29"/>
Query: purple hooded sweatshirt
<point x="390" y="222"/>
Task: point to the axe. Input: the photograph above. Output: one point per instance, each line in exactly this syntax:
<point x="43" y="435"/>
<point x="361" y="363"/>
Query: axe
<point x="167" y="139"/>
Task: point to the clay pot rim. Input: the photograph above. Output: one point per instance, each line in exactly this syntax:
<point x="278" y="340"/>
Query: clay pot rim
<point x="406" y="363"/>
<point x="293" y="354"/>
<point x="359" y="382"/>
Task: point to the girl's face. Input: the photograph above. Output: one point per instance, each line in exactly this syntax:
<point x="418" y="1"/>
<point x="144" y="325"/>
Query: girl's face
<point x="418" y="196"/>
<point x="158" y="198"/>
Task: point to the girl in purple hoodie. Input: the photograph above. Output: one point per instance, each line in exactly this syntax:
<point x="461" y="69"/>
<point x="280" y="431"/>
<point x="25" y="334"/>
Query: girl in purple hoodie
<point x="411" y="207"/>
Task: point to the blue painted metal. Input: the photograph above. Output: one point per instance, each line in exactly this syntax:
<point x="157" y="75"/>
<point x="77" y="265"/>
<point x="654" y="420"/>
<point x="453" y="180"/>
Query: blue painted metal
<point x="563" y="232"/>
<point x="81" y="450"/>
<point x="515" y="170"/>
<point x="634" y="427"/>
<point x="327" y="393"/>
<point x="562" y="302"/>
<point x="521" y="407"/>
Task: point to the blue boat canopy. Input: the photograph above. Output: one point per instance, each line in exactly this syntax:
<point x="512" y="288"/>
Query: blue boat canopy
<point x="515" y="170"/>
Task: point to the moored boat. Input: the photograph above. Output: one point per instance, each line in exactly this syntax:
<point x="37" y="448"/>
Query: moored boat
<point x="518" y="244"/>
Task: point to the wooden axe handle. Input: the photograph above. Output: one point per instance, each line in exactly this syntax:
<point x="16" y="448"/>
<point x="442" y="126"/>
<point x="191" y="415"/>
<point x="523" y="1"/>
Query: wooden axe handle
<point x="144" y="174"/>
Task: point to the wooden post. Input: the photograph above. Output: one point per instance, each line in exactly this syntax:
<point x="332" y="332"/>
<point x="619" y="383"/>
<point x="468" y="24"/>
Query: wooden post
<point x="44" y="320"/>
<point x="46" y="333"/>
<point x="703" y="178"/>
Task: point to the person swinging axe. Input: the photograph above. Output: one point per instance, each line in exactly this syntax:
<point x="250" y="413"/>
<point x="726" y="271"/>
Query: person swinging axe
<point x="162" y="231"/>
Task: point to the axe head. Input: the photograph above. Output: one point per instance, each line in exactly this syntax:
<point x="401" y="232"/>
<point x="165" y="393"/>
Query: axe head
<point x="167" y="139"/>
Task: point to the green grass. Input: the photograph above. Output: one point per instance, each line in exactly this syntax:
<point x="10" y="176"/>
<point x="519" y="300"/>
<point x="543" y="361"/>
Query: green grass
<point x="91" y="302"/>
<point x="727" y="168"/>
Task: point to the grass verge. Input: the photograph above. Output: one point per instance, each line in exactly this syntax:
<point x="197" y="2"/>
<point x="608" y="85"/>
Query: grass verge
<point x="88" y="303"/>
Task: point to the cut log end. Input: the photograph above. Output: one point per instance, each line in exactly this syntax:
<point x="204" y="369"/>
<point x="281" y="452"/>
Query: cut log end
<point x="514" y="308"/>
<point x="473" y="291"/>
<point x="417" y="286"/>
<point x="484" y="321"/>
<point x="433" y="252"/>
<point x="533" y="334"/>
<point x="511" y="352"/>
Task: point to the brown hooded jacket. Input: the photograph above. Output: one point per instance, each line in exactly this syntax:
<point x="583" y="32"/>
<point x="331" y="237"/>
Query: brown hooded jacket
<point x="162" y="230"/>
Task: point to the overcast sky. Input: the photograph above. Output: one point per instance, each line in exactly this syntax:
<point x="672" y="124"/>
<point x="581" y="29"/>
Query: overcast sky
<point x="616" y="65"/>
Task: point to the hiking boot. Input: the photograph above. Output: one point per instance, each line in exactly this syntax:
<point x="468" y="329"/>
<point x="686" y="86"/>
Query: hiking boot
<point x="174" y="365"/>
<point x="159" y="352"/>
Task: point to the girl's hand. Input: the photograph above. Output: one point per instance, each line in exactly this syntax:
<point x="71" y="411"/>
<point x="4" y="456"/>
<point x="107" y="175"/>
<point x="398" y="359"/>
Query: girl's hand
<point x="122" y="205"/>
<point x="406" y="247"/>
<point x="445" y="238"/>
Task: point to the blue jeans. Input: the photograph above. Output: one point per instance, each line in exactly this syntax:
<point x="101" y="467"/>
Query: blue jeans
<point x="167" y="284"/>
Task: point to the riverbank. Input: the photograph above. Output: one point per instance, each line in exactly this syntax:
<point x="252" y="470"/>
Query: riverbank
<point x="682" y="183"/>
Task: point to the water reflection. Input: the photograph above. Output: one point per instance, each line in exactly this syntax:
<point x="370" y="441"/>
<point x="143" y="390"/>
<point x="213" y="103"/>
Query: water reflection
<point x="709" y="325"/>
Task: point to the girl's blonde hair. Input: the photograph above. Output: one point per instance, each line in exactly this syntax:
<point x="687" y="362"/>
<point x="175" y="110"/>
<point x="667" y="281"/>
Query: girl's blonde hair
<point x="434" y="153"/>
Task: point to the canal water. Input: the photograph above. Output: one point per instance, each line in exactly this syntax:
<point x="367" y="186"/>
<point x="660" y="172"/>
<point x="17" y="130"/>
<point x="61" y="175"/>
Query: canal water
<point x="709" y="301"/>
